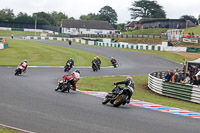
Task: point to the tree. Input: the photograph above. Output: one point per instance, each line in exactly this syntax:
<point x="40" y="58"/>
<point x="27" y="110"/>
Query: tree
<point x="57" y="17"/>
<point x="191" y="18"/>
<point x="90" y="16"/>
<point x="6" y="15"/>
<point x="24" y="17"/>
<point x="45" y="18"/>
<point x="146" y="9"/>
<point x="108" y="14"/>
<point x="121" y="27"/>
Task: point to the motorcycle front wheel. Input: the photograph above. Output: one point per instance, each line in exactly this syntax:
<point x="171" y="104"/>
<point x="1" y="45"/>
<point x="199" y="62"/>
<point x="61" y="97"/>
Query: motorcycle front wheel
<point x="105" y="100"/>
<point x="119" y="100"/>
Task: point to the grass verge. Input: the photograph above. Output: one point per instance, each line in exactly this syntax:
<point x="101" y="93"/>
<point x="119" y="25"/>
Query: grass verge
<point x="9" y="33"/>
<point x="6" y="130"/>
<point x="105" y="84"/>
<point x="44" y="54"/>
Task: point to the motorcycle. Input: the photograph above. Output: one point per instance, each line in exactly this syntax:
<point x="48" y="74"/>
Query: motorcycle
<point x="19" y="70"/>
<point x="95" y="67"/>
<point x="66" y="86"/>
<point x="114" y="63"/>
<point x="67" y="67"/>
<point x="118" y="97"/>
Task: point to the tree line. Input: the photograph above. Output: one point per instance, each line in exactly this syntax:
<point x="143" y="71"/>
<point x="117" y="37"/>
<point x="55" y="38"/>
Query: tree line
<point x="138" y="9"/>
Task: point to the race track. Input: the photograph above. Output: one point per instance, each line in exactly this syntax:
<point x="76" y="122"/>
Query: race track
<point x="30" y="102"/>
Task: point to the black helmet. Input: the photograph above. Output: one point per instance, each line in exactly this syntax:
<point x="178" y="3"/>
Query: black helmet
<point x="77" y="70"/>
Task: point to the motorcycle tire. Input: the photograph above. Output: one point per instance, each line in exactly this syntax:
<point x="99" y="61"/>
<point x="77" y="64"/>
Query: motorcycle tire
<point x="119" y="100"/>
<point x="105" y="100"/>
<point x="63" y="89"/>
<point x="17" y="72"/>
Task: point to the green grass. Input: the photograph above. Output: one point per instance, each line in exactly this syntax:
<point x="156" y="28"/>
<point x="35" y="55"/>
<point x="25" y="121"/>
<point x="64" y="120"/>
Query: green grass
<point x="5" y="130"/>
<point x="196" y="30"/>
<point x="105" y="84"/>
<point x="44" y="54"/>
<point x="155" y="31"/>
<point x="9" y="33"/>
<point x="141" y="40"/>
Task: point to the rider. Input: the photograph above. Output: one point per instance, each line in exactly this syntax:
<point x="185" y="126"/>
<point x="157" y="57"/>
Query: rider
<point x="112" y="60"/>
<point x="129" y="83"/>
<point x="98" y="62"/>
<point x="75" y="75"/>
<point x="95" y="61"/>
<point x="71" y="62"/>
<point x="24" y="65"/>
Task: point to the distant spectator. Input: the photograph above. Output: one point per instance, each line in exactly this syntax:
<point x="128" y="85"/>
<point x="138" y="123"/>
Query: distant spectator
<point x="5" y="42"/>
<point x="187" y="79"/>
<point x="192" y="34"/>
<point x="177" y="77"/>
<point x="172" y="76"/>
<point x="2" y="41"/>
<point x="12" y="36"/>
<point x="70" y="42"/>
<point x="198" y="80"/>
<point x="168" y="76"/>
<point x="194" y="80"/>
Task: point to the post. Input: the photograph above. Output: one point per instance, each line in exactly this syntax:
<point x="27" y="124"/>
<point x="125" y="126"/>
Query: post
<point x="35" y="25"/>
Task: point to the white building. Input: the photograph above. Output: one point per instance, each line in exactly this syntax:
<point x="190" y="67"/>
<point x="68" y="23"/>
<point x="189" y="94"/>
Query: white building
<point x="77" y="27"/>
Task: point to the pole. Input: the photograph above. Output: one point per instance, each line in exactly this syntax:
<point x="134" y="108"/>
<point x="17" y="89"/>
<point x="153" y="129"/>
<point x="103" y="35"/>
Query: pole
<point x="35" y="25"/>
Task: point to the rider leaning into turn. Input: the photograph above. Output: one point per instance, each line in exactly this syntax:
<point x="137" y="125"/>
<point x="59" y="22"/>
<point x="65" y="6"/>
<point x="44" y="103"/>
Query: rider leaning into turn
<point x="129" y="83"/>
<point x="24" y="65"/>
<point x="71" y="62"/>
<point x="98" y="62"/>
<point x="75" y="75"/>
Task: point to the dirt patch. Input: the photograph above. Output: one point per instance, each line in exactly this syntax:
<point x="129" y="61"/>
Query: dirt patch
<point x="192" y="56"/>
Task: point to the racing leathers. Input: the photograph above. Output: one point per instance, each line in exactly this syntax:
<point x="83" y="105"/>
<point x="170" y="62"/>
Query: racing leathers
<point x="128" y="84"/>
<point x="24" y="66"/>
<point x="71" y="62"/>
<point x="75" y="76"/>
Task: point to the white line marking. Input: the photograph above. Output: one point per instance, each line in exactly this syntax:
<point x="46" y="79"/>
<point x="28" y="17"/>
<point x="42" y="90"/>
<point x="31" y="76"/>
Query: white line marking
<point x="17" y="129"/>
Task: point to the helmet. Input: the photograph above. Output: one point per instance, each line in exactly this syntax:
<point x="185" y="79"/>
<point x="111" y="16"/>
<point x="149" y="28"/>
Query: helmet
<point x="95" y="57"/>
<point x="71" y="58"/>
<point x="77" y="70"/>
<point x="129" y="78"/>
<point x="112" y="58"/>
<point x="25" y="60"/>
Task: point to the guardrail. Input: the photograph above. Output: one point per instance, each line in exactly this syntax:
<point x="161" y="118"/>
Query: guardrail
<point x="176" y="90"/>
<point x="119" y="36"/>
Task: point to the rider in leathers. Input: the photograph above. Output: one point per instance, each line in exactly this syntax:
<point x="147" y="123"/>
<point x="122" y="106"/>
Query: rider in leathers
<point x="71" y="62"/>
<point x="24" y="65"/>
<point x="75" y="75"/>
<point x="128" y="84"/>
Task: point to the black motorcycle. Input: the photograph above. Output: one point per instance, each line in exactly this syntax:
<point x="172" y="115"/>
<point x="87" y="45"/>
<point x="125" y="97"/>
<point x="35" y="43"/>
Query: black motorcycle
<point x="66" y="86"/>
<point x="67" y="67"/>
<point x="19" y="70"/>
<point x="118" y="97"/>
<point x="95" y="67"/>
<point x="114" y="63"/>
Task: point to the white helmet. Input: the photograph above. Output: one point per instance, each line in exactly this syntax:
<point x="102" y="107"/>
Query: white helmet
<point x="25" y="60"/>
<point x="129" y="78"/>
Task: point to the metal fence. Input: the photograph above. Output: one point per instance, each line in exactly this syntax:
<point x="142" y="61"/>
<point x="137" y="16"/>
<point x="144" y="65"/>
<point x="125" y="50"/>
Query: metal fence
<point x="176" y="90"/>
<point x="21" y="26"/>
<point x="120" y="36"/>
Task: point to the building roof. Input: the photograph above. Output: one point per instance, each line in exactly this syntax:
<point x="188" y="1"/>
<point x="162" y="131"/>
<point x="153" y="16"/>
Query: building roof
<point x="132" y="24"/>
<point x="87" y="24"/>
<point x="150" y="20"/>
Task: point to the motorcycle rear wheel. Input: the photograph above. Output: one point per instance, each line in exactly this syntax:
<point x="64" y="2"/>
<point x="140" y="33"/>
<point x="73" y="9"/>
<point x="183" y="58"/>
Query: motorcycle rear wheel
<point x="119" y="100"/>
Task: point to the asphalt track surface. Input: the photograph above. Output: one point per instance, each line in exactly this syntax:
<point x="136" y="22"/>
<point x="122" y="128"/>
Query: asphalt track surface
<point x="30" y="102"/>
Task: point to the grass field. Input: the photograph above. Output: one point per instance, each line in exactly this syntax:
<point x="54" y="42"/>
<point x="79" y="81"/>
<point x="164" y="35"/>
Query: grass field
<point x="44" y="55"/>
<point x="158" y="31"/>
<point x="105" y="84"/>
<point x="155" y="31"/>
<point x="9" y="33"/>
